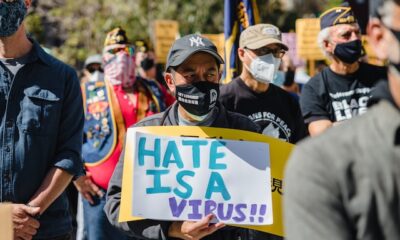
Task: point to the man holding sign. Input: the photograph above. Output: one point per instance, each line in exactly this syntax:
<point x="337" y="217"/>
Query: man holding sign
<point x="192" y="74"/>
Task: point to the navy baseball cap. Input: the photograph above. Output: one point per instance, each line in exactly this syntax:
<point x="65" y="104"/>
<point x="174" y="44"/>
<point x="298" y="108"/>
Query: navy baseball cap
<point x="337" y="15"/>
<point x="188" y="45"/>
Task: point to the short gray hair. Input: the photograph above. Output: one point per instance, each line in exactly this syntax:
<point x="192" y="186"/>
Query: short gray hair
<point x="323" y="36"/>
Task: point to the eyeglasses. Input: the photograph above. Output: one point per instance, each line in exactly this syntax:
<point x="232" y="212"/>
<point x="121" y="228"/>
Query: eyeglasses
<point x="277" y="52"/>
<point x="93" y="68"/>
<point x="129" y="50"/>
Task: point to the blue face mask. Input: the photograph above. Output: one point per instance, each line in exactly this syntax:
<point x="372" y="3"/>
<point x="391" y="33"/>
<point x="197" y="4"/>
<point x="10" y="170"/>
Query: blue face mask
<point x="12" y="13"/>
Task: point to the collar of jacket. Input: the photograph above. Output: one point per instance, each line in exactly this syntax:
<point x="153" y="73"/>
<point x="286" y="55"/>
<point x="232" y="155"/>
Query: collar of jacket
<point x="170" y="116"/>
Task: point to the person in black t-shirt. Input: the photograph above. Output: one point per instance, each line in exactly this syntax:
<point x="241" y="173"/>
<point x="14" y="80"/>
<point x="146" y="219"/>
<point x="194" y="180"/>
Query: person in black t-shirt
<point x="252" y="94"/>
<point x="341" y="91"/>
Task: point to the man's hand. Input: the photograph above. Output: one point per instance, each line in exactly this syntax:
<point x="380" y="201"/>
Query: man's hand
<point x="25" y="226"/>
<point x="87" y="188"/>
<point x="194" y="230"/>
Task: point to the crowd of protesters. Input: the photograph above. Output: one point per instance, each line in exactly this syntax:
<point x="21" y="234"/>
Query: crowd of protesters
<point x="341" y="182"/>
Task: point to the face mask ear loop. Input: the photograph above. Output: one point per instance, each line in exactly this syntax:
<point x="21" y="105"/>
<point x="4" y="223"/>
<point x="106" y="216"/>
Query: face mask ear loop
<point x="248" y="54"/>
<point x="172" y="76"/>
<point x="252" y="59"/>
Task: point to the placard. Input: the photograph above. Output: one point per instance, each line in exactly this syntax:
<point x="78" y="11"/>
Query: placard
<point x="6" y="224"/>
<point x="165" y="33"/>
<point x="279" y="153"/>
<point x="307" y="30"/>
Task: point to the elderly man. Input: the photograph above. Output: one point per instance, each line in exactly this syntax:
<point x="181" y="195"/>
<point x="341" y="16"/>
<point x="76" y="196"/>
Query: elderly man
<point x="192" y="72"/>
<point x="252" y="94"/>
<point x="345" y="183"/>
<point x="341" y="91"/>
<point x="40" y="130"/>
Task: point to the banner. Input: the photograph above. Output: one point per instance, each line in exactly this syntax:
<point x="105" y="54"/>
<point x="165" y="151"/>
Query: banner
<point x="238" y="15"/>
<point x="279" y="152"/>
<point x="188" y="178"/>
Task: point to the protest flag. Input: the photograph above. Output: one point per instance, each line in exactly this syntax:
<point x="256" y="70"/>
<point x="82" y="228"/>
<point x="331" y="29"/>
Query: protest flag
<point x="238" y="15"/>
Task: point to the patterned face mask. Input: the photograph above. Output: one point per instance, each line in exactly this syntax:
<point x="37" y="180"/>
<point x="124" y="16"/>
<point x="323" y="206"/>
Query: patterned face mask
<point x="12" y="13"/>
<point x="119" y="68"/>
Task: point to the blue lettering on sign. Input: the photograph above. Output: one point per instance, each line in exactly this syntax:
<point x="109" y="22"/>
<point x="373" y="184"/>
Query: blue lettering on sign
<point x="179" y="179"/>
<point x="142" y="152"/>
<point x="172" y="155"/>
<point x="214" y="155"/>
<point x="162" y="158"/>
<point x="157" y="188"/>
<point x="195" y="150"/>
<point x="216" y="185"/>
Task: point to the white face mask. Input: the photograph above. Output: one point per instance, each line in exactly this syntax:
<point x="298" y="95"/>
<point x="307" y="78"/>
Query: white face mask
<point x="96" y="76"/>
<point x="264" y="68"/>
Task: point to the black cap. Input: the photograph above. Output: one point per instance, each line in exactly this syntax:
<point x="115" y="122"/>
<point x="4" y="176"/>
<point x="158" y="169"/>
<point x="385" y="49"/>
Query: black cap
<point x="337" y="15"/>
<point x="188" y="45"/>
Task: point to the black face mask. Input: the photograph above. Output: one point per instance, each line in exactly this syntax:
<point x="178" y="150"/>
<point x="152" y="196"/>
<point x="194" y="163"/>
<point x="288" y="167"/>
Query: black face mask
<point x="11" y="16"/>
<point x="198" y="98"/>
<point x="348" y="52"/>
<point x="147" y="64"/>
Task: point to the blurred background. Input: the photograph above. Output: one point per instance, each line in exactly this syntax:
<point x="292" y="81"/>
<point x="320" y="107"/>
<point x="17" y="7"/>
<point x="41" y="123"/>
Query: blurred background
<point x="73" y="29"/>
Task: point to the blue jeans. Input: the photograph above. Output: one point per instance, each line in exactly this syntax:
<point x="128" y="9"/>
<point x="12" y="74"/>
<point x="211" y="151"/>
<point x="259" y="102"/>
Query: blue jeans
<point x="96" y="224"/>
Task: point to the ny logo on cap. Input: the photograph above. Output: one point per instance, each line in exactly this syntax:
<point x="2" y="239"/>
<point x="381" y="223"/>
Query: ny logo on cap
<point x="196" y="40"/>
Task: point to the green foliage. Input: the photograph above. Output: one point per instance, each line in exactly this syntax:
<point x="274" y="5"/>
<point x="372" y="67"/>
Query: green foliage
<point x="333" y="3"/>
<point x="79" y="27"/>
<point x="74" y="29"/>
<point x="34" y="26"/>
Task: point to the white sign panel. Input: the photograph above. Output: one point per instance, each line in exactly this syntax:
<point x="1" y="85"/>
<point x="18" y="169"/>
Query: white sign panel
<point x="184" y="178"/>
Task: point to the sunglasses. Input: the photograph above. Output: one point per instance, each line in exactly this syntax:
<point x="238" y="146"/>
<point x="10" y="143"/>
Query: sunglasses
<point x="129" y="50"/>
<point x="92" y="70"/>
<point x="278" y="53"/>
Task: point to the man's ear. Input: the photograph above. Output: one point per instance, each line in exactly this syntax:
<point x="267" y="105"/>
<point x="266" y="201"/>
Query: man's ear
<point x="241" y="53"/>
<point x="328" y="46"/>
<point x="375" y="34"/>
<point x="170" y="82"/>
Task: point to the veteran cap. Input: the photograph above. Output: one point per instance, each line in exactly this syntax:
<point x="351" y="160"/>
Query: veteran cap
<point x="337" y="15"/>
<point x="260" y="35"/>
<point x="116" y="36"/>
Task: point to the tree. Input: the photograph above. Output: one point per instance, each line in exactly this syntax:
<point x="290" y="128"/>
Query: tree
<point x="75" y="29"/>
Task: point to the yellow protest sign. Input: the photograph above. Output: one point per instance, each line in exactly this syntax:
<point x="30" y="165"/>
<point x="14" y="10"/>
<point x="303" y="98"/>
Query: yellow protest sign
<point x="279" y="153"/>
<point x="6" y="225"/>
<point x="307" y="30"/>
<point x="164" y="33"/>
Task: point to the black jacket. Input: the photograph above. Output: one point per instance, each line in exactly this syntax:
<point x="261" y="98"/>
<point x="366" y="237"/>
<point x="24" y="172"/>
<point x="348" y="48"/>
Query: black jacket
<point x="154" y="229"/>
